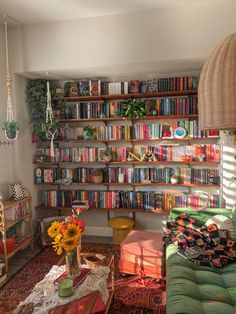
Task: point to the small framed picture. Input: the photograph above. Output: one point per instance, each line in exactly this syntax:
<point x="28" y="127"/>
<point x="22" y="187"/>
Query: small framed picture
<point x="213" y="133"/>
<point x="18" y="192"/>
<point x="180" y="132"/>
<point x="167" y="131"/>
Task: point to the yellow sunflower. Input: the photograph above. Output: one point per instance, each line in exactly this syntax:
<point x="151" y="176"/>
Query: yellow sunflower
<point x="57" y="244"/>
<point x="72" y="231"/>
<point x="54" y="229"/>
<point x="69" y="244"/>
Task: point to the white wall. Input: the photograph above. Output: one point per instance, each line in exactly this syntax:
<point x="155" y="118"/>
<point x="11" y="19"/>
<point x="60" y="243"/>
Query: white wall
<point x="144" y="43"/>
<point x="180" y="35"/>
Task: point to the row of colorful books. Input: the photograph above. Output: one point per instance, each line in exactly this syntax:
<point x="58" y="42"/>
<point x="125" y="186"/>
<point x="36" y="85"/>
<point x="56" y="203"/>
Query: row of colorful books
<point x="196" y="152"/>
<point x="146" y="200"/>
<point x="192" y="200"/>
<point x="17" y="211"/>
<point x="131" y="175"/>
<point x="137" y="131"/>
<point x="163" y="175"/>
<point x="113" y="109"/>
<point x="95" y="87"/>
<point x="82" y="154"/>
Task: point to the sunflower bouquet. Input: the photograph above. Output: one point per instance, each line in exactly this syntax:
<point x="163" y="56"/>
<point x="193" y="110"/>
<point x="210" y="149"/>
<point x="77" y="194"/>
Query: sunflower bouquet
<point x="67" y="234"/>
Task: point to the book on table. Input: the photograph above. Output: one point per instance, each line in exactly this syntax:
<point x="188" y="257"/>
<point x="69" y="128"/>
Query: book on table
<point x="77" y="280"/>
<point x="91" y="303"/>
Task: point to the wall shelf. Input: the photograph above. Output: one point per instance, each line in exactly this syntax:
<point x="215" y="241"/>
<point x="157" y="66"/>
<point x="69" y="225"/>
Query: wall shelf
<point x="127" y="96"/>
<point x="153" y="211"/>
<point x="161" y="117"/>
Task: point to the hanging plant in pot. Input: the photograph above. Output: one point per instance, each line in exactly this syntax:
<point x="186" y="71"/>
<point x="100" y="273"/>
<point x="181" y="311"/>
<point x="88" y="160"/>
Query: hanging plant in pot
<point x="9" y="126"/>
<point x="11" y="129"/>
<point x="50" y="129"/>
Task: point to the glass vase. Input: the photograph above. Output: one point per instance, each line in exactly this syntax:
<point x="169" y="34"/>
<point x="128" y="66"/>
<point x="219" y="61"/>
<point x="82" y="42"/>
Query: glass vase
<point x="73" y="262"/>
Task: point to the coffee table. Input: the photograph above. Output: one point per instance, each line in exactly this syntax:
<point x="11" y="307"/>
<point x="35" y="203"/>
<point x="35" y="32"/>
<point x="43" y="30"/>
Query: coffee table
<point x="107" y="263"/>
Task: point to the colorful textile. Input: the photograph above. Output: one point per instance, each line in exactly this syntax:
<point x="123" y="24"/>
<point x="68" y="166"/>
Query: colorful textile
<point x="218" y="248"/>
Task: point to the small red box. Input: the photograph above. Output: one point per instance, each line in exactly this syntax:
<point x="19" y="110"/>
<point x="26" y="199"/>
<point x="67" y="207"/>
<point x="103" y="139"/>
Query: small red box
<point x="141" y="253"/>
<point x="10" y="245"/>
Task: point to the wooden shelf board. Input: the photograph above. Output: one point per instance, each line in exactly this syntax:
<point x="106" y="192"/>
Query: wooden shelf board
<point x="137" y="95"/>
<point x="138" y="140"/>
<point x="73" y="163"/>
<point x="10" y="223"/>
<point x="166" y="117"/>
<point x="24" y="243"/>
<point x="10" y="203"/>
<point x="134" y="184"/>
<point x="155" y="211"/>
<point x="163" y="184"/>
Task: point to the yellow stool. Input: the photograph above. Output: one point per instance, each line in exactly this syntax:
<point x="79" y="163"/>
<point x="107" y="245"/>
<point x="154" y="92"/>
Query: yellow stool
<point x="121" y="227"/>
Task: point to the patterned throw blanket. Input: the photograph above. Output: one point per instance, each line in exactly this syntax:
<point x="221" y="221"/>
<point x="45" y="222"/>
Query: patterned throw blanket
<point x="218" y="248"/>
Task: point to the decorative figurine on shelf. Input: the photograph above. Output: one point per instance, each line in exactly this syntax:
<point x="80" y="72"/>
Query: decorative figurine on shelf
<point x="130" y="158"/>
<point x="121" y="177"/>
<point x="174" y="179"/>
<point x="149" y="156"/>
<point x="201" y="157"/>
<point x="131" y="155"/>
<point x="186" y="158"/>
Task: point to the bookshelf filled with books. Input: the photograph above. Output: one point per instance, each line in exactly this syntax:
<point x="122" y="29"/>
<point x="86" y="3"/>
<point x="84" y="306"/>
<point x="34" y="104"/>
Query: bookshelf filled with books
<point x="140" y="159"/>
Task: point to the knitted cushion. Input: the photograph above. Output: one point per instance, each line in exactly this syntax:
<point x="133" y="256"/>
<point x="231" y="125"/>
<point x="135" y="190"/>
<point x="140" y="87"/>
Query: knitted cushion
<point x="222" y="222"/>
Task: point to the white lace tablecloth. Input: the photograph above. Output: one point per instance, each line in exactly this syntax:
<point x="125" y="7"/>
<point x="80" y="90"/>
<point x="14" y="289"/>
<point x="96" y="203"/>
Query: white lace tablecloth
<point x="45" y="294"/>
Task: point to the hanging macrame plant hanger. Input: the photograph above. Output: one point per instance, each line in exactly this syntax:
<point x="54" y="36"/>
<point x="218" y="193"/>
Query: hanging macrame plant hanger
<point x="10" y="126"/>
<point x="51" y="132"/>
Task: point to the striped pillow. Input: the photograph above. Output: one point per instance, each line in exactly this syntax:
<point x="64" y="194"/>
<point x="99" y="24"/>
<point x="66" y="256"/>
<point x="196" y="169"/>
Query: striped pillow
<point x="223" y="222"/>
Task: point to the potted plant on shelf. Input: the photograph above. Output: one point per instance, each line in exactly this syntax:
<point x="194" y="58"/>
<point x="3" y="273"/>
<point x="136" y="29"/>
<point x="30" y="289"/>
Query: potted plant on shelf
<point x="89" y="133"/>
<point x="133" y="108"/>
<point x="11" y="129"/>
<point x="108" y="155"/>
<point x="97" y="175"/>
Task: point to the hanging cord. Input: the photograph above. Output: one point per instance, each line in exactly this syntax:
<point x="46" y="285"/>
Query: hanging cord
<point x="8" y="80"/>
<point x="49" y="113"/>
<point x="49" y="119"/>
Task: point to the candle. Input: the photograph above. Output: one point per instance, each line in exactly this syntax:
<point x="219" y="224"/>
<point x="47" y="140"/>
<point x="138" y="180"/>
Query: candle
<point x="65" y="287"/>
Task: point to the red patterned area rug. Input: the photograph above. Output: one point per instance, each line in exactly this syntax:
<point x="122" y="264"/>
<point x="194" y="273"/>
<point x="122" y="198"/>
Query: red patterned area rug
<point x="132" y="295"/>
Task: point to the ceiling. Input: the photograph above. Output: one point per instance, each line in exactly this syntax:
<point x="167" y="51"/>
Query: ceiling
<point x="41" y="11"/>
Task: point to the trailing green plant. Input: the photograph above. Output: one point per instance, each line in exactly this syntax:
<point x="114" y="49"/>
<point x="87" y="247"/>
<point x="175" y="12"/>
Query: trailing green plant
<point x="36" y="98"/>
<point x="133" y="108"/>
<point x="10" y="126"/>
<point x="231" y="132"/>
<point x="109" y="153"/>
<point x="89" y="133"/>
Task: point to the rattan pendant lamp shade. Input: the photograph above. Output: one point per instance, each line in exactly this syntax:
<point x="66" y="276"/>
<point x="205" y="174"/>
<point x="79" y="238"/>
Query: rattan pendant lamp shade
<point x="217" y="88"/>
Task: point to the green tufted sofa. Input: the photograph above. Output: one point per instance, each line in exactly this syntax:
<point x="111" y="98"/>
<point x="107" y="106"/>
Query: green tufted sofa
<point x="193" y="289"/>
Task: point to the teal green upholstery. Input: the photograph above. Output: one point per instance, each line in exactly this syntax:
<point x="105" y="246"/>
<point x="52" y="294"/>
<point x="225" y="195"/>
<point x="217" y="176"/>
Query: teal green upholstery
<point x="194" y="289"/>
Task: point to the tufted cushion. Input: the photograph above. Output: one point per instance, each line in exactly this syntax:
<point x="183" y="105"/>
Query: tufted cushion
<point x="194" y="289"/>
<point x="222" y="222"/>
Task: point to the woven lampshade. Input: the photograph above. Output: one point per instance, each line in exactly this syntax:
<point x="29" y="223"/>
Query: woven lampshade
<point x="217" y="88"/>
